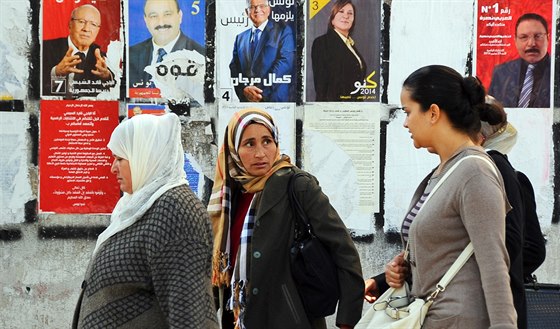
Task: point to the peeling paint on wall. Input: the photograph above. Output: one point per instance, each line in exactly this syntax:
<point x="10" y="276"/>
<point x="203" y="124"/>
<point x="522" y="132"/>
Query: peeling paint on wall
<point x="15" y="188"/>
<point x="14" y="47"/>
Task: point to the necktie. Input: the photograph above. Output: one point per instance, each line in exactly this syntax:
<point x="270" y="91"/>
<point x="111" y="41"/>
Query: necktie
<point x="161" y="52"/>
<point x="256" y="37"/>
<point x="525" y="94"/>
<point x="82" y="64"/>
<point x="349" y="42"/>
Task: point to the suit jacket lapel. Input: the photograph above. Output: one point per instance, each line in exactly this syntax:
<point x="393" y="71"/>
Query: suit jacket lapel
<point x="181" y="43"/>
<point x="245" y="51"/>
<point x="265" y="35"/>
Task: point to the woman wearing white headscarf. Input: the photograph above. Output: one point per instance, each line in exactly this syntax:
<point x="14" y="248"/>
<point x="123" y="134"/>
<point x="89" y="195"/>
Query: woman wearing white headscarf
<point x="524" y="240"/>
<point x="151" y="267"/>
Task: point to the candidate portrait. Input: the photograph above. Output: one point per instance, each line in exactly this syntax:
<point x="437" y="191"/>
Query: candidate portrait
<point x="525" y="81"/>
<point x="163" y="19"/>
<point x="74" y="65"/>
<point x="262" y="67"/>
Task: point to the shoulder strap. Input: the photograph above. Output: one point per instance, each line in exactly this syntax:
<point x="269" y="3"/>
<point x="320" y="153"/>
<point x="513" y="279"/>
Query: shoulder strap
<point x="438" y="184"/>
<point x="452" y="169"/>
<point x="467" y="252"/>
<point x="297" y="209"/>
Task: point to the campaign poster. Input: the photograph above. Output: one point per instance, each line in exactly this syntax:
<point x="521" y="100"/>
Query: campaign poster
<point x="133" y="109"/>
<point x="81" y="49"/>
<point x="195" y="175"/>
<point x="256" y="51"/>
<point x="343" y="44"/>
<point x="346" y="161"/>
<point x="284" y="118"/>
<point x="166" y="53"/>
<point x="503" y="56"/>
<point x="74" y="161"/>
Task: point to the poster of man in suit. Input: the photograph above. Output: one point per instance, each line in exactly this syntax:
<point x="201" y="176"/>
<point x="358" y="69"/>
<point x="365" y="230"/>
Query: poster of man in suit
<point x="166" y="51"/>
<point x="81" y="49"/>
<point x="343" y="58"/>
<point x="513" y="51"/>
<point x="256" y="50"/>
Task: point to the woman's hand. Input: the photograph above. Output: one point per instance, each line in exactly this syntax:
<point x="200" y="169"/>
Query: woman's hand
<point x="371" y="292"/>
<point x="396" y="271"/>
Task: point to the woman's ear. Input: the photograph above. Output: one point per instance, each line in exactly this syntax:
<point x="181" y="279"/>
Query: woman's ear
<point x="435" y="113"/>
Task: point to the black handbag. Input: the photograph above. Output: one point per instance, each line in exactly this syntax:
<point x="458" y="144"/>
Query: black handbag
<point x="543" y="305"/>
<point x="313" y="269"/>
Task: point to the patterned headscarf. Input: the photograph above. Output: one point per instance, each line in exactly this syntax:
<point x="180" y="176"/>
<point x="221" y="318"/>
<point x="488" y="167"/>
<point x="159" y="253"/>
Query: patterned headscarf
<point x="228" y="169"/>
<point x="152" y="146"/>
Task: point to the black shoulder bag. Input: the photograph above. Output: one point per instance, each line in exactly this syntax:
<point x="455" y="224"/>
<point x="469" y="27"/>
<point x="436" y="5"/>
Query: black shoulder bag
<point x="313" y="269"/>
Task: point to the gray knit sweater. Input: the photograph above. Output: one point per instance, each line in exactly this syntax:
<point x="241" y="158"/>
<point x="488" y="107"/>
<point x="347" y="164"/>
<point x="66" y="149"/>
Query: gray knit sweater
<point x="155" y="273"/>
<point x="469" y="206"/>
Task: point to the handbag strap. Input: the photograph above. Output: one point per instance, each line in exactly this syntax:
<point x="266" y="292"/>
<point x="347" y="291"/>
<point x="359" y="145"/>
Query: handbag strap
<point x="466" y="253"/>
<point x="438" y="184"/>
<point x="297" y="209"/>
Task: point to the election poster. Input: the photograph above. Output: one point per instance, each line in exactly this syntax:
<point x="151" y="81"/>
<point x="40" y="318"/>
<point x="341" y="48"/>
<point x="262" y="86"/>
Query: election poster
<point x="349" y="172"/>
<point x="82" y="49"/>
<point x="284" y="118"/>
<point x="343" y="43"/>
<point x="142" y="108"/>
<point x="514" y="40"/>
<point x="256" y="51"/>
<point x="74" y="161"/>
<point x="166" y="52"/>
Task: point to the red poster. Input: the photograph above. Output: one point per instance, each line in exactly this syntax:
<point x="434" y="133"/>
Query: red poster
<point x="497" y="42"/>
<point x="81" y="49"/>
<point x="75" y="163"/>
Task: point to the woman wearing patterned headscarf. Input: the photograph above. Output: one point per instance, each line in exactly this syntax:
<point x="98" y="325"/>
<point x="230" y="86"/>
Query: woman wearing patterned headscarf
<point x="151" y="267"/>
<point x="254" y="228"/>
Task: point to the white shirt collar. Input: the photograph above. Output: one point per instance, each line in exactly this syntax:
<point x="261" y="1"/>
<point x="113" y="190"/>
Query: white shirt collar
<point x="75" y="49"/>
<point x="260" y="27"/>
<point x="168" y="47"/>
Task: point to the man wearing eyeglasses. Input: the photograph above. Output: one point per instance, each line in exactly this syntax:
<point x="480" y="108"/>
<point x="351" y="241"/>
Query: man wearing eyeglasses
<point x="163" y="19"/>
<point x="74" y="66"/>
<point x="525" y="82"/>
<point x="263" y="64"/>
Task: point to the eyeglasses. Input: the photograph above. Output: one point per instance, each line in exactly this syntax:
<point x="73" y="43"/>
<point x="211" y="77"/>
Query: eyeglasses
<point x="536" y="37"/>
<point x="83" y="22"/>
<point x="254" y="8"/>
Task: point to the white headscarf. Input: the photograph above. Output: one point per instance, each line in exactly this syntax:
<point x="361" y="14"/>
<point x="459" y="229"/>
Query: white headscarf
<point x="500" y="139"/>
<point x="152" y="146"/>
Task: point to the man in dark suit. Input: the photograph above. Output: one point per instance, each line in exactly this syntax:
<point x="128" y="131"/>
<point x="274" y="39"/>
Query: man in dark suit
<point x="163" y="20"/>
<point x="74" y="66"/>
<point x="263" y="63"/>
<point x="525" y="82"/>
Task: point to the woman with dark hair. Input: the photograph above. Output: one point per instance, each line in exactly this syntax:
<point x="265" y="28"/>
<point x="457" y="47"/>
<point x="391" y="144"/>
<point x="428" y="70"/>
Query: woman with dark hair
<point x="444" y="111"/>
<point x="253" y="228"/>
<point x="337" y="63"/>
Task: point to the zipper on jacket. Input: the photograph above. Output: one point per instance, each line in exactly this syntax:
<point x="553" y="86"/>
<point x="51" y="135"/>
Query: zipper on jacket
<point x="290" y="302"/>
